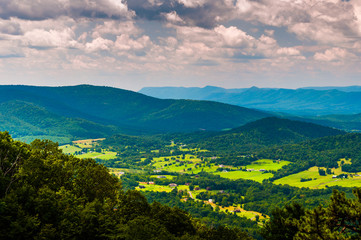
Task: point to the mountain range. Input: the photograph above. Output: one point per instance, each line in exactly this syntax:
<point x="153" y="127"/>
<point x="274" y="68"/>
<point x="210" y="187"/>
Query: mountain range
<point x="302" y="101"/>
<point x="95" y="111"/>
<point x="260" y="133"/>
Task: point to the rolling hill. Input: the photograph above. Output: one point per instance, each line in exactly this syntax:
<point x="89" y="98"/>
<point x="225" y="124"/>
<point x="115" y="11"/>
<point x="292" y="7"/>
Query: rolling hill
<point x="266" y="132"/>
<point x="303" y="101"/>
<point x="93" y="110"/>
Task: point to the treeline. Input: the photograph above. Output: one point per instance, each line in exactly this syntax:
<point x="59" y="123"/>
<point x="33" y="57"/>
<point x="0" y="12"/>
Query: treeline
<point x="260" y="197"/>
<point x="340" y="219"/>
<point x="45" y="194"/>
<point x="262" y="133"/>
<point x="202" y="211"/>
<point x="321" y="152"/>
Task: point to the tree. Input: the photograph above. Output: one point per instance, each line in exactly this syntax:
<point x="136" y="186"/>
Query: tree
<point x="283" y="223"/>
<point x="340" y="220"/>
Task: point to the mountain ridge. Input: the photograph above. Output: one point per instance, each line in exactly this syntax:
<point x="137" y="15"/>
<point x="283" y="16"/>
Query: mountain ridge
<point x="302" y="101"/>
<point x="127" y="111"/>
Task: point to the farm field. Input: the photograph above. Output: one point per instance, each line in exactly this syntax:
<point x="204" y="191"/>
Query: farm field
<point x="268" y="164"/>
<point x="84" y="146"/>
<point x="70" y="149"/>
<point x="320" y="181"/>
<point x="254" y="175"/>
<point x="104" y="155"/>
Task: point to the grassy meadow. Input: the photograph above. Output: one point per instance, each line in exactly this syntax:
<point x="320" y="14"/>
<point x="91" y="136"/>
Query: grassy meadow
<point x="321" y="181"/>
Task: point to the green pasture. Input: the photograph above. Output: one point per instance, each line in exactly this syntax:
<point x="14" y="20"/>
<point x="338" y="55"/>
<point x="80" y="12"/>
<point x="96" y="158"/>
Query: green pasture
<point x="254" y="175"/>
<point x="319" y="181"/>
<point x="126" y="170"/>
<point x="176" y="163"/>
<point x="160" y="188"/>
<point x="69" y="149"/>
<point x="104" y="155"/>
<point x="166" y="176"/>
<point x="267" y="164"/>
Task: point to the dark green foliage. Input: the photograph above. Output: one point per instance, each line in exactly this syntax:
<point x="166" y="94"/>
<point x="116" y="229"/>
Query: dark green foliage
<point x="264" y="132"/>
<point x="321" y="172"/>
<point x="283" y="222"/>
<point x="28" y="121"/>
<point x="48" y="195"/>
<point x="339" y="220"/>
<point x="130" y="112"/>
<point x="321" y="152"/>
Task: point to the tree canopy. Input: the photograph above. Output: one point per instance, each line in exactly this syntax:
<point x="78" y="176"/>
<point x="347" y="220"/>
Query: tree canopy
<point x="45" y="194"/>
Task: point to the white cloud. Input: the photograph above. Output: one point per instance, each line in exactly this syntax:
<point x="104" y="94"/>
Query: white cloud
<point x="192" y="3"/>
<point x="234" y="37"/>
<point x="325" y="21"/>
<point x="114" y="27"/>
<point x="173" y="18"/>
<point x="52" y="38"/>
<point x="334" y="54"/>
<point x="125" y="43"/>
<point x="99" y="44"/>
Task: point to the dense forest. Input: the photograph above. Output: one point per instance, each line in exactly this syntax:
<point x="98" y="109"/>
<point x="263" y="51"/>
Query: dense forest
<point x="45" y="194"/>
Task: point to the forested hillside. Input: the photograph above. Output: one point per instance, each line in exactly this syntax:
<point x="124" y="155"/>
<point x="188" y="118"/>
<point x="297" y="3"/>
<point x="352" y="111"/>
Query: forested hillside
<point x="28" y="121"/>
<point x="321" y="152"/>
<point x="127" y="112"/>
<point x="258" y="134"/>
<point x="45" y="194"/>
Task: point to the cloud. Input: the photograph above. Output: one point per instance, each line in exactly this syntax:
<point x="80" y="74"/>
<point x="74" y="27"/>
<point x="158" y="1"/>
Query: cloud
<point x="201" y="13"/>
<point x="40" y="38"/>
<point x="113" y="27"/>
<point x="173" y="18"/>
<point x="234" y="37"/>
<point x="10" y="27"/>
<point x="99" y="44"/>
<point x="47" y="9"/>
<point x="192" y="3"/>
<point x="334" y="55"/>
<point x="326" y="21"/>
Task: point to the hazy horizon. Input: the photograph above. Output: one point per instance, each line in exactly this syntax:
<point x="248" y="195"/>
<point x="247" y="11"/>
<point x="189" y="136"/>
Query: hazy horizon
<point x="190" y="43"/>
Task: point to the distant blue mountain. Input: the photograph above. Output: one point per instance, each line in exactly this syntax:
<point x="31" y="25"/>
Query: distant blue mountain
<point x="303" y="101"/>
<point x="344" y="89"/>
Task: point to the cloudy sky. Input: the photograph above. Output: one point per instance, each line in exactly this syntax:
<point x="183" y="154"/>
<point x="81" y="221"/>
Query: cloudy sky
<point x="136" y="43"/>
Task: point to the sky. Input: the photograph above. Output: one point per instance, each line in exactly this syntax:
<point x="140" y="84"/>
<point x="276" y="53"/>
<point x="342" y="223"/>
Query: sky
<point x="191" y="43"/>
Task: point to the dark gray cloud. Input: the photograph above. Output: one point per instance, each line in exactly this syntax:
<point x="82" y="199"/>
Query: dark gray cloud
<point x="205" y="15"/>
<point x="47" y="9"/>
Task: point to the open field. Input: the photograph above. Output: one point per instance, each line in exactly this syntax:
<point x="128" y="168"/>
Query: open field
<point x="159" y="188"/>
<point x="254" y="175"/>
<point x="87" y="143"/>
<point x="165" y="176"/>
<point x="126" y="170"/>
<point x="72" y="149"/>
<point x="69" y="149"/>
<point x="320" y="181"/>
<point x="104" y="155"/>
<point x="267" y="164"/>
